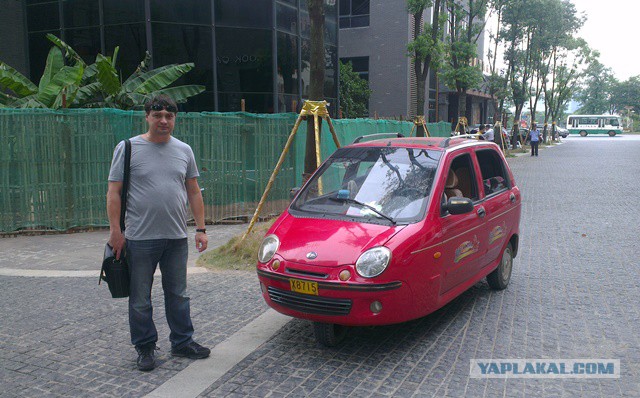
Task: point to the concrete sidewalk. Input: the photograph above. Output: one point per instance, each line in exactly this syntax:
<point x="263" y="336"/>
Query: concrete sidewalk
<point x="83" y="251"/>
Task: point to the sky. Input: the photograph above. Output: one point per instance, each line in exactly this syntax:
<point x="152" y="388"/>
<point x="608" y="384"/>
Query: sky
<point x="613" y="28"/>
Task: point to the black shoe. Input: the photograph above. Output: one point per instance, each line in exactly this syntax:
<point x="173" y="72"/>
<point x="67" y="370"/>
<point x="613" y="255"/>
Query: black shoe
<point x="191" y="350"/>
<point x="146" y="357"/>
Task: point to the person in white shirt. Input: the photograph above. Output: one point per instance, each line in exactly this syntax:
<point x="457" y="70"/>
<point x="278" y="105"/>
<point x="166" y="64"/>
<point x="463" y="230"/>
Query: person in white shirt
<point x="488" y="134"/>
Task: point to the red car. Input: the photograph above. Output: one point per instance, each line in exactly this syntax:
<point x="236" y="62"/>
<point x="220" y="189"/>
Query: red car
<point x="391" y="230"/>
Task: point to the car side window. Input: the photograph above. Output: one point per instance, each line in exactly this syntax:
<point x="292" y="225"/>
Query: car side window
<point x="494" y="174"/>
<point x="460" y="180"/>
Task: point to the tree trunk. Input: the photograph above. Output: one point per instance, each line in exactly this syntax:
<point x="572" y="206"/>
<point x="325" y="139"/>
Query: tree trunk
<point x="462" y="108"/>
<point x="316" y="83"/>
<point x="420" y="100"/>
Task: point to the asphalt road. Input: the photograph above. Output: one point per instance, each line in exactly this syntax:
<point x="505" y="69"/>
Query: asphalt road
<point x="573" y="294"/>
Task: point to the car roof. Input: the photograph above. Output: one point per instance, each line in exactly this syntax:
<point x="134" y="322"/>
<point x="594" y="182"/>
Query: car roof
<point x="434" y="143"/>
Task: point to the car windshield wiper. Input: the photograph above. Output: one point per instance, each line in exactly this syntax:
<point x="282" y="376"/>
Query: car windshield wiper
<point x="373" y="209"/>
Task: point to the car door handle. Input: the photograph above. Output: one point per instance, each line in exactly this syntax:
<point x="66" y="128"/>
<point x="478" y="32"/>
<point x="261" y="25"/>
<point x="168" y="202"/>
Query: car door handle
<point x="481" y="212"/>
<point x="512" y="198"/>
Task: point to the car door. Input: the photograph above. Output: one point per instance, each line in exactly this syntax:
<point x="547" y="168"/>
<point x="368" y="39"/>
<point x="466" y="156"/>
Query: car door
<point x="500" y="201"/>
<point x="462" y="233"/>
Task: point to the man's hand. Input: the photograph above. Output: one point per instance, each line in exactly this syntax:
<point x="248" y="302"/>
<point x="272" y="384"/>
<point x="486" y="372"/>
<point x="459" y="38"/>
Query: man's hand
<point x="201" y="241"/>
<point x="117" y="242"/>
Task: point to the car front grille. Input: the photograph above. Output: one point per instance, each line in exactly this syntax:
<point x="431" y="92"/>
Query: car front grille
<point x="310" y="304"/>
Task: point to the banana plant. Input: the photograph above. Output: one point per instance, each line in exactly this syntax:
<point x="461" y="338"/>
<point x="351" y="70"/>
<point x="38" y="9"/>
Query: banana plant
<point x="57" y="88"/>
<point x="103" y="86"/>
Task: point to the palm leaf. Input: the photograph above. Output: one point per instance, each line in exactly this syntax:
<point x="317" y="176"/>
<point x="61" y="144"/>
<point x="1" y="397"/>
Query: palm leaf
<point x="87" y="94"/>
<point x="13" y="80"/>
<point x="107" y="75"/>
<point x="160" y="78"/>
<point x="89" y="72"/>
<point x="55" y="62"/>
<point x="30" y="101"/>
<point x="180" y="94"/>
<point x="70" y="52"/>
<point x="6" y="99"/>
<point x="67" y="76"/>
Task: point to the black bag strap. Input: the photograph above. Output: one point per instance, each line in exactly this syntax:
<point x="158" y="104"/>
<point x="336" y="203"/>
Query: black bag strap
<point x="125" y="182"/>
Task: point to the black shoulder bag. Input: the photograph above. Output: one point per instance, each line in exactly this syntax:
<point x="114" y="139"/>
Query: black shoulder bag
<point x="116" y="272"/>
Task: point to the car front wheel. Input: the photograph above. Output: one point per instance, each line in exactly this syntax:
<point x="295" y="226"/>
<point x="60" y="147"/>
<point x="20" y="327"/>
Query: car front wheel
<point x="612" y="133"/>
<point x="500" y="277"/>
<point x="329" y="334"/>
<point x="583" y="133"/>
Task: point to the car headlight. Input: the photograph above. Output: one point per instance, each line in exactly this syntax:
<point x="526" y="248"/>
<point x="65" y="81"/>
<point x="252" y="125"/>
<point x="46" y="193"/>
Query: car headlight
<point x="268" y="248"/>
<point x="373" y="262"/>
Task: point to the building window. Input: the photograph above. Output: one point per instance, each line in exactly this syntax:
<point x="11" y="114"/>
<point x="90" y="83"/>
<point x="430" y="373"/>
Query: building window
<point x="354" y="13"/>
<point x="360" y="65"/>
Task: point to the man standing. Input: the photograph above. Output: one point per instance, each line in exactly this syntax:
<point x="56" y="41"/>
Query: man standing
<point x="535" y="139"/>
<point x="163" y="177"/>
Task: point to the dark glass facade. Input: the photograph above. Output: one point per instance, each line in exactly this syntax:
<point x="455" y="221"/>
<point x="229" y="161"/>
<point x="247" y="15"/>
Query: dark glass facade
<point x="256" y="51"/>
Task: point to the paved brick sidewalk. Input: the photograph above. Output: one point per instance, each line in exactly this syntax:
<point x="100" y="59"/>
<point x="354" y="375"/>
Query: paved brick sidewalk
<point x="573" y="294"/>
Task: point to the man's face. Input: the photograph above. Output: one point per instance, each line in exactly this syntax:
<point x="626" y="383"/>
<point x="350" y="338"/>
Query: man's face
<point x="161" y="122"/>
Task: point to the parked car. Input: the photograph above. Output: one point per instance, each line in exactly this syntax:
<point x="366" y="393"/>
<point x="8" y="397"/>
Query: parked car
<point x="562" y="132"/>
<point x="391" y="230"/>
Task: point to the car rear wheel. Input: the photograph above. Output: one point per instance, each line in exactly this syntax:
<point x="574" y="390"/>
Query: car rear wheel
<point x="612" y="133"/>
<point x="500" y="277"/>
<point x="329" y="334"/>
<point x="583" y="133"/>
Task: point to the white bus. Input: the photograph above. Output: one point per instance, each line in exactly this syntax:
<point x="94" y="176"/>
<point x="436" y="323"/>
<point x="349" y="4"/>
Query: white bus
<point x="594" y="124"/>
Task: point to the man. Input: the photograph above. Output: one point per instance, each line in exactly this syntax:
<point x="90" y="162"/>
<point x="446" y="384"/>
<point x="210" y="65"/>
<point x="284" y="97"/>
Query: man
<point x="535" y="139"/>
<point x="488" y="135"/>
<point x="163" y="178"/>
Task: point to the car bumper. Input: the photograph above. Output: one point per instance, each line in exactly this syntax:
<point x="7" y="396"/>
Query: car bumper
<point x="344" y="303"/>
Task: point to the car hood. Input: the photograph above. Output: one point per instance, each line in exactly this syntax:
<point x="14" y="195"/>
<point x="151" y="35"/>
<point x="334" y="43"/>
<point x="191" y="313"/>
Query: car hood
<point x="334" y="242"/>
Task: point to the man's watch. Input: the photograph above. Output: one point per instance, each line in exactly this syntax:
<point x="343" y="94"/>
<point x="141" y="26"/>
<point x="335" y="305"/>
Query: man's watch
<point x="203" y="230"/>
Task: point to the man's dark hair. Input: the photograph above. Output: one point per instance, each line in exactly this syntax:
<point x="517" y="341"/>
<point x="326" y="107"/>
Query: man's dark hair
<point x="161" y="101"/>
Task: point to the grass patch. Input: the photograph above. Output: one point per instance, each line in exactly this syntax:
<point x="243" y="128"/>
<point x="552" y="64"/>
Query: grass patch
<point x="244" y="258"/>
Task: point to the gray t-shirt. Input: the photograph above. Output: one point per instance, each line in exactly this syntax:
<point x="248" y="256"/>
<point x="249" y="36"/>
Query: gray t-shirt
<point x="157" y="200"/>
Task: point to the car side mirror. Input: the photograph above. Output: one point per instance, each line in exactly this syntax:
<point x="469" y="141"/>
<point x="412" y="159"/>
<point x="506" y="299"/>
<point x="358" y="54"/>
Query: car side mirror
<point x="293" y="192"/>
<point x="457" y="205"/>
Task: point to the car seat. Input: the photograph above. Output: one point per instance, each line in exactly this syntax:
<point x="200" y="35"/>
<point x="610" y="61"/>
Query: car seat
<point x="451" y="185"/>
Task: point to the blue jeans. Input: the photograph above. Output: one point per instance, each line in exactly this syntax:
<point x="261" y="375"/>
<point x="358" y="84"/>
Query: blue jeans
<point x="143" y="257"/>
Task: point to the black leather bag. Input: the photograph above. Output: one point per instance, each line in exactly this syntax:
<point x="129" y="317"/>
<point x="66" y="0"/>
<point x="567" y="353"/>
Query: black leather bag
<point x="116" y="272"/>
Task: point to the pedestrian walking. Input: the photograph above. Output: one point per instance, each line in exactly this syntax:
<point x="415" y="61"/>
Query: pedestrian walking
<point x="535" y="139"/>
<point x="163" y="178"/>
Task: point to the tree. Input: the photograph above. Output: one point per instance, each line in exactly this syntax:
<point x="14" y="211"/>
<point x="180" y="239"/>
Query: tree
<point x="497" y="81"/>
<point x="316" y="83"/>
<point x="596" y="88"/>
<point x="354" y="92"/>
<point x="426" y="47"/>
<point x="466" y="24"/>
<point x="565" y="73"/>
<point x="524" y="33"/>
<point x="625" y="95"/>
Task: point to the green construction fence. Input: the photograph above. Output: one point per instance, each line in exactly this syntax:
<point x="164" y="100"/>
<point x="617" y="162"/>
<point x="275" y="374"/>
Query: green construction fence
<point x="54" y="164"/>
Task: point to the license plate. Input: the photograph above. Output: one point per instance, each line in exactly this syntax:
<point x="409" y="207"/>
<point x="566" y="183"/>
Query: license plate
<point x="306" y="287"/>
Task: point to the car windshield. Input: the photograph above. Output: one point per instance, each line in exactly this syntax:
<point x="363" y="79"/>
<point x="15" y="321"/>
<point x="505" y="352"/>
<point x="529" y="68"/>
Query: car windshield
<point x="371" y="184"/>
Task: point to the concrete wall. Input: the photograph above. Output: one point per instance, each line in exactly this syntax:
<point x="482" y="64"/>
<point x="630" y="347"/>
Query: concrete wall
<point x="384" y="41"/>
<point x="12" y="35"/>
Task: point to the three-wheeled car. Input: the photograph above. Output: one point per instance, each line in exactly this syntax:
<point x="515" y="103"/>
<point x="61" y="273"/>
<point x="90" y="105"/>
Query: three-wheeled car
<point x="390" y="230"/>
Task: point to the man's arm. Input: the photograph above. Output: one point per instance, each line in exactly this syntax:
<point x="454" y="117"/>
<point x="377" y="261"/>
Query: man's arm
<point x="197" y="208"/>
<point x="114" y="204"/>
